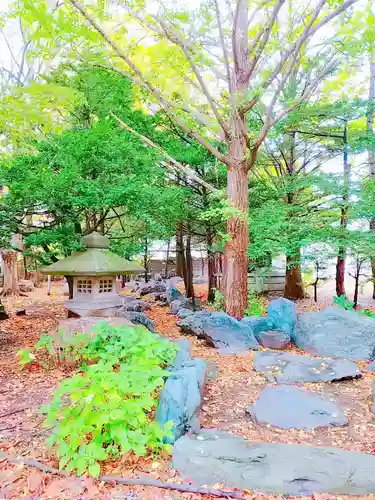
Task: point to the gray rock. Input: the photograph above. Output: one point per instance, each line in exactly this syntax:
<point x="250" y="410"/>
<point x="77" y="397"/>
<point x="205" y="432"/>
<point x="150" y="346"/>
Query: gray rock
<point x="285" y="469"/>
<point x="180" y="398"/>
<point x="227" y="334"/>
<point x="220" y="330"/>
<point x="258" y="324"/>
<point x="152" y="287"/>
<point x="183" y="354"/>
<point x="283" y="314"/>
<point x="285" y="368"/>
<point x="175" y="306"/>
<point x="287" y="407"/>
<point x="192" y="324"/>
<point x="336" y="333"/>
<point x="184" y="313"/>
<point x="136" y="305"/>
<point x="138" y="318"/>
<point x="274" y="339"/>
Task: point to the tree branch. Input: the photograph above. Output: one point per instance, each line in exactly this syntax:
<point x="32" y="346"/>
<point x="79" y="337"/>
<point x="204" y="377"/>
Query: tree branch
<point x="176" y="39"/>
<point x="123" y="480"/>
<point x="182" y="168"/>
<point x="164" y="102"/>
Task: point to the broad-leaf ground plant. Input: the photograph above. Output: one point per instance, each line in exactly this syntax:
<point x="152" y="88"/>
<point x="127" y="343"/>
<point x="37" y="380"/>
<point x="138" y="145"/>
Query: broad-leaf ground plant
<point x="106" y="409"/>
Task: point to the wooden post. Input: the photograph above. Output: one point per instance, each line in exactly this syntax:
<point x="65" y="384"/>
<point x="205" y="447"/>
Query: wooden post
<point x="49" y="285"/>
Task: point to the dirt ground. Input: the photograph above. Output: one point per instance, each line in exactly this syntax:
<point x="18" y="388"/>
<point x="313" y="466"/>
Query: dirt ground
<point x="22" y="393"/>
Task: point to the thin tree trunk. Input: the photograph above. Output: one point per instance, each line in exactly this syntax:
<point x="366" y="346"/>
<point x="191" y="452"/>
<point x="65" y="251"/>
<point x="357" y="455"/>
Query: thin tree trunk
<point x="10" y="286"/>
<point x="210" y="268"/>
<point x="341" y="256"/>
<point x="145" y="260"/>
<point x="189" y="287"/>
<point x="69" y="280"/>
<point x="167" y="259"/>
<point x="371" y="150"/>
<point x="180" y="252"/>
<point x="356" y="287"/>
<point x="293" y="279"/>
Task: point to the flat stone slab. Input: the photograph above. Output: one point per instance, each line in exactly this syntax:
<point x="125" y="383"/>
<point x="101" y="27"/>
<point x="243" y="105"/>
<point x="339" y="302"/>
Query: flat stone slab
<point x="285" y="469"/>
<point x="336" y="333"/>
<point x="290" y="408"/>
<point x="286" y="368"/>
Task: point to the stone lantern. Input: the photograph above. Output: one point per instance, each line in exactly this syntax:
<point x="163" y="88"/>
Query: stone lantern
<point x="94" y="277"/>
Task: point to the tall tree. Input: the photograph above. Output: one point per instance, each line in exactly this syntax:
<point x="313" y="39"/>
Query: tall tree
<point x="206" y="93"/>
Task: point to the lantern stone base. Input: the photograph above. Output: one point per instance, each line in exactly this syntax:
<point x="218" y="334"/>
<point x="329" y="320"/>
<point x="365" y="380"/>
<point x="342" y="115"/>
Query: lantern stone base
<point x="101" y="307"/>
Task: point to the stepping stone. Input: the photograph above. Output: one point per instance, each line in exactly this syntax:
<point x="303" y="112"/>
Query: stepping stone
<point x="285" y="368"/>
<point x="286" y="407"/>
<point x="287" y="469"/>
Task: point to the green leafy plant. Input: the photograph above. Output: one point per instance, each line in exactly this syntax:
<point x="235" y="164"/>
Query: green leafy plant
<point x="25" y="357"/>
<point x="106" y="409"/>
<point x="256" y="305"/>
<point x="343" y="302"/>
<point x="218" y="300"/>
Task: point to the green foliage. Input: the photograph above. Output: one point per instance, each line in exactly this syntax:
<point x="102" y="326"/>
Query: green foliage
<point x="105" y="410"/>
<point x="25" y="357"/>
<point x="346" y="304"/>
<point x="343" y="302"/>
<point x="218" y="300"/>
<point x="256" y="305"/>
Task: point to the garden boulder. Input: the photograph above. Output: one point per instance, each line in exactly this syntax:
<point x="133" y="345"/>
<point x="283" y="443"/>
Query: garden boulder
<point x="138" y="318"/>
<point x="336" y="333"/>
<point x="216" y="456"/>
<point x="220" y="330"/>
<point x="283" y="315"/>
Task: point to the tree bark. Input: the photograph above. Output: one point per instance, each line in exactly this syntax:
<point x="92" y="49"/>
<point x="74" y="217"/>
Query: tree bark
<point x="180" y="252"/>
<point x="167" y="259"/>
<point x="145" y="260"/>
<point x="371" y="152"/>
<point x="210" y="268"/>
<point x="235" y="251"/>
<point x="10" y="286"/>
<point x="293" y="279"/>
<point x="189" y="287"/>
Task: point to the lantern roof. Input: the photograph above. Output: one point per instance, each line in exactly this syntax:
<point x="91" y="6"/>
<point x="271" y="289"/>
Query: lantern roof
<point x="97" y="260"/>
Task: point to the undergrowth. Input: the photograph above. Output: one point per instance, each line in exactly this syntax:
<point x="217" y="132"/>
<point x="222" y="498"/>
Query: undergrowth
<point x="106" y="409"/>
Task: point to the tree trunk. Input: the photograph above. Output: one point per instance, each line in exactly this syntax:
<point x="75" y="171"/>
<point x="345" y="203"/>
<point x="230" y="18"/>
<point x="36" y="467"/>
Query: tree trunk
<point x="210" y="269"/>
<point x="9" y="258"/>
<point x="236" y="248"/>
<point x="167" y="259"/>
<point x="69" y="280"/>
<point x="371" y="151"/>
<point x="293" y="279"/>
<point x="235" y="251"/>
<point x="145" y="260"/>
<point x="180" y="252"/>
<point x="341" y="256"/>
<point x="189" y="287"/>
<point x="356" y="287"/>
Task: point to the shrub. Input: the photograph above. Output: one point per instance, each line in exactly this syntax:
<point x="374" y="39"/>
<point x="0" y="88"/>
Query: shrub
<point x="106" y="409"/>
